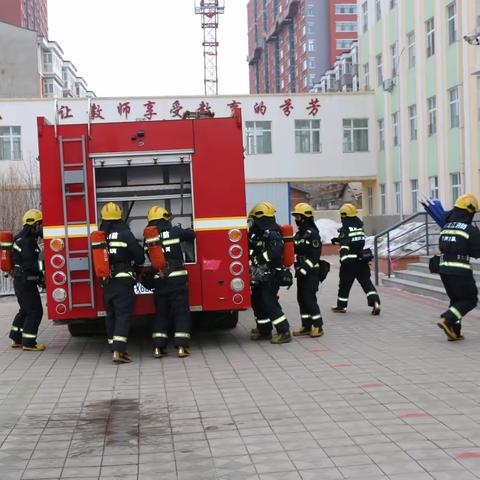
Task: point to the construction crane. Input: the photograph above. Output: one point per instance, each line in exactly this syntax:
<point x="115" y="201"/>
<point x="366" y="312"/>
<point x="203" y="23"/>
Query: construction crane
<point x="210" y="11"/>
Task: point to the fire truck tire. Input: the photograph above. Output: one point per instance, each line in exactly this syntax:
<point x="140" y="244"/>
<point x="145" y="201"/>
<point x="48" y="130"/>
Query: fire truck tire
<point x="86" y="328"/>
<point x="215" y="320"/>
<point x="228" y="320"/>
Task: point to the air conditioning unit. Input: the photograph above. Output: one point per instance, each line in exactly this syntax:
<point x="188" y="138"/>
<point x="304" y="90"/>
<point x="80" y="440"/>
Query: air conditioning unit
<point x="388" y="85"/>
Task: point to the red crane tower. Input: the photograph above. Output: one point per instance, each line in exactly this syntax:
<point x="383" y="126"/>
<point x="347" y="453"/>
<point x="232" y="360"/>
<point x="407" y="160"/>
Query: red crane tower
<point x="210" y="11"/>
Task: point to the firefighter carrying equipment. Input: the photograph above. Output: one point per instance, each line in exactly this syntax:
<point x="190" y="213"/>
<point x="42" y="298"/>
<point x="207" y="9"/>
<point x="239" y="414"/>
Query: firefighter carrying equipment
<point x="303" y="209"/>
<point x="32" y="216"/>
<point x="158" y="213"/>
<point x="348" y="210"/>
<point x="467" y="202"/>
<point x="101" y="262"/>
<point x="111" y="211"/>
<point x="262" y="209"/>
<point x="6" y="251"/>
<point x="288" y="253"/>
<point x="153" y="242"/>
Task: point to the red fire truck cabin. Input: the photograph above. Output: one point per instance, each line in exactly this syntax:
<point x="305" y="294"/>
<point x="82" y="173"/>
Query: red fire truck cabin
<point x="193" y="167"/>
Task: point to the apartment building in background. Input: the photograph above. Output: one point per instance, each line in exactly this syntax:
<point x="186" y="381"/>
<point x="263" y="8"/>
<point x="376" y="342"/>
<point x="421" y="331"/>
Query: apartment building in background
<point x="293" y="42"/>
<point x="29" y="14"/>
<point x="426" y="84"/>
<point x="34" y="66"/>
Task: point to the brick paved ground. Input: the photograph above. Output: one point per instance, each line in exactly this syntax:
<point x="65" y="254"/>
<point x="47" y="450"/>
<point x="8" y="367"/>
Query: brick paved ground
<point x="376" y="398"/>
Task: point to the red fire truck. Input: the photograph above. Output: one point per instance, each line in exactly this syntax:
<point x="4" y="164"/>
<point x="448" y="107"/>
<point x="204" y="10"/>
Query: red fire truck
<point x="193" y="167"/>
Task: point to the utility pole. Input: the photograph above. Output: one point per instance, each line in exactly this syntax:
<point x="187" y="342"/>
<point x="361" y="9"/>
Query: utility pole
<point x="210" y="11"/>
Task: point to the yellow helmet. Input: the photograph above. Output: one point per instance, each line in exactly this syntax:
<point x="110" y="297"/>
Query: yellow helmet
<point x="158" y="213"/>
<point x="262" y="209"/>
<point x="303" y="209"/>
<point x="467" y="202"/>
<point x="111" y="211"/>
<point x="348" y="210"/>
<point x="32" y="216"/>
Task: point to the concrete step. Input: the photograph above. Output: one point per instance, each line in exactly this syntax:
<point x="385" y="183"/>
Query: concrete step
<point x="423" y="267"/>
<point x="474" y="262"/>
<point x="415" y="287"/>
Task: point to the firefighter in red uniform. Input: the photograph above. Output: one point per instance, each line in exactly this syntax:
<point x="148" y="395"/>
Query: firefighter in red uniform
<point x="28" y="274"/>
<point x="171" y="288"/>
<point x="308" y="248"/>
<point x="126" y="257"/>
<point x="352" y="266"/>
<point x="266" y="247"/>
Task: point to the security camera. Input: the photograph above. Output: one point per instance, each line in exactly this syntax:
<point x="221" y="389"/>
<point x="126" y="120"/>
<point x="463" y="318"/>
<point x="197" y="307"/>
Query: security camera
<point x="473" y="38"/>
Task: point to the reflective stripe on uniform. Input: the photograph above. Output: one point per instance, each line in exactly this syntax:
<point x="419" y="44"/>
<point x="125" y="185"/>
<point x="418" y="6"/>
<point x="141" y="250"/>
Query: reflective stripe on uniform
<point x="347" y="256"/>
<point x="16" y="247"/>
<point x="110" y="341"/>
<point x="182" y="335"/>
<point x="309" y="262"/>
<point x="317" y="317"/>
<point x="371" y="293"/>
<point x="123" y="275"/>
<point x="303" y="271"/>
<point x="467" y="266"/>
<point x="159" y="335"/>
<point x="306" y="316"/>
<point x="116" y="338"/>
<point x="96" y="244"/>
<point x="279" y="320"/>
<point x="178" y="273"/>
<point x="6" y="244"/>
<point x="342" y="299"/>
<point x="151" y="240"/>
<point x="265" y="256"/>
<point x="455" y="312"/>
<point x="28" y="335"/>
<point x="118" y="244"/>
<point x="15" y="329"/>
<point x="263" y="320"/>
<point x="462" y="233"/>
<point x="356" y="234"/>
<point x="172" y="241"/>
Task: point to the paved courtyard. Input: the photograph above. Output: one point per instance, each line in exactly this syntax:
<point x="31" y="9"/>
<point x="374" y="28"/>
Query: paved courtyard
<point x="375" y="398"/>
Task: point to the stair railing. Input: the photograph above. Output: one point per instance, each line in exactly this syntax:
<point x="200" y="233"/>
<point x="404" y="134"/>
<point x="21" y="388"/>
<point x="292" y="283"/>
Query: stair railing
<point x="428" y="233"/>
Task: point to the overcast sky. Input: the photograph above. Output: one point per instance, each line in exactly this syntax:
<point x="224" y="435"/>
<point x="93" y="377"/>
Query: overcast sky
<point x="148" y="47"/>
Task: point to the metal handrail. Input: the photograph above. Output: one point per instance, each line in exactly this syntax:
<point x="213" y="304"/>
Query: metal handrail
<point x="387" y="232"/>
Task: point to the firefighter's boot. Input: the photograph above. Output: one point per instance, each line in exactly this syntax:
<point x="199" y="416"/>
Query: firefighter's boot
<point x="457" y="328"/>
<point x="159" y="352"/>
<point x="284" y="337"/>
<point x="376" y="308"/>
<point x="256" y="335"/>
<point x="449" y="330"/>
<point x="183" y="352"/>
<point x="316" y="332"/>
<point x="16" y="345"/>
<point x="38" y="347"/>
<point x="338" y="309"/>
<point x="301" y="332"/>
<point x="120" y="357"/>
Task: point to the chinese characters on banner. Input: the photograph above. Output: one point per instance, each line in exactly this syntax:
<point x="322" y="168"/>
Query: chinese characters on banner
<point x="65" y="112"/>
<point x="149" y="110"/>
<point x="287" y="107"/>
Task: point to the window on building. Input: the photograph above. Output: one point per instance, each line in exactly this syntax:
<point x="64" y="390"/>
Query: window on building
<point x="305" y="64"/>
<point x="378" y="10"/>
<point x="346" y="26"/>
<point x="456" y="183"/>
<point x="381" y="134"/>
<point x="412" y="119"/>
<point x="394" y="54"/>
<point x="312" y="63"/>
<point x="433" y="185"/>
<point x="311" y="44"/>
<point x="310" y="10"/>
<point x="366" y="75"/>
<point x="307" y="136"/>
<point x="430" y="31"/>
<point x="432" y="115"/>
<point x="398" y="197"/>
<point x="370" y="200"/>
<point x="259" y="137"/>
<point x="411" y="49"/>
<point x="311" y="28"/>
<point x="10" y="143"/>
<point x="343" y="43"/>
<point x="379" y="61"/>
<point x="414" y="190"/>
<point x="355" y="135"/>
<point x="396" y="129"/>
<point x="346" y="9"/>
<point x="383" y="199"/>
<point x="452" y="23"/>
<point x="365" y="16"/>
<point x="454" y="107"/>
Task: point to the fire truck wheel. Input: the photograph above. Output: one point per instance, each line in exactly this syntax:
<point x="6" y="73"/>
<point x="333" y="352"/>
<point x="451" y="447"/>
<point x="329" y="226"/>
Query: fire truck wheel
<point x="86" y="328"/>
<point x="215" y="320"/>
<point x="228" y="320"/>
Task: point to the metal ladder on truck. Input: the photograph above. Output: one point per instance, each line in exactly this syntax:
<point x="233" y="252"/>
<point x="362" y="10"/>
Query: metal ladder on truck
<point x="75" y="174"/>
